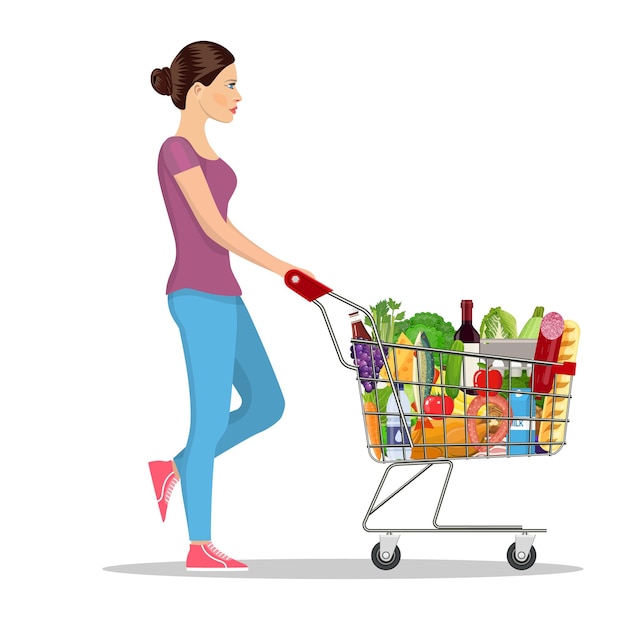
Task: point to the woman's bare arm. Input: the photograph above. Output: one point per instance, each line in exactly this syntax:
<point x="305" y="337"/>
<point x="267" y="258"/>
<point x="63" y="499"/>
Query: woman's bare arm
<point x="198" y="194"/>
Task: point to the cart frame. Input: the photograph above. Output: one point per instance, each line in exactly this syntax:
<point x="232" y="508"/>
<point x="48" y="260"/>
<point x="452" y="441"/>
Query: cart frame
<point x="385" y="554"/>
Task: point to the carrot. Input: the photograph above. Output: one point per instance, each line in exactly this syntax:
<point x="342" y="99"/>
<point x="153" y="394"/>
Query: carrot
<point x="373" y="430"/>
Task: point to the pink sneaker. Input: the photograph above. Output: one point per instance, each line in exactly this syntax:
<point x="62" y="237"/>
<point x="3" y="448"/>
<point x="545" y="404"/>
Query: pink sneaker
<point x="207" y="558"/>
<point x="164" y="480"/>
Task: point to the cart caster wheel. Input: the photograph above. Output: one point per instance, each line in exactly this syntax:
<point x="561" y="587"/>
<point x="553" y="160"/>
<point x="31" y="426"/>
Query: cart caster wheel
<point x="521" y="562"/>
<point x="387" y="560"/>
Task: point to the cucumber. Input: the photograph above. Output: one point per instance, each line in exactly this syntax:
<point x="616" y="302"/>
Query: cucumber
<point x="454" y="368"/>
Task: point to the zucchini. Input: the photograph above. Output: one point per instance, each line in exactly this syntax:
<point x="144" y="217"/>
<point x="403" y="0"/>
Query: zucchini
<point x="532" y="326"/>
<point x="454" y="368"/>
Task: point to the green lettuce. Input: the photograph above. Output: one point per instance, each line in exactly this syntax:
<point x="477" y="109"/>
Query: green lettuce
<point x="498" y="324"/>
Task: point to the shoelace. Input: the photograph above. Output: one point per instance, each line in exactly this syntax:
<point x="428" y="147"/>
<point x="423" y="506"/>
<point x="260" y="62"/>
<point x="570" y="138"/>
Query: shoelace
<point x="170" y="482"/>
<point x="218" y="553"/>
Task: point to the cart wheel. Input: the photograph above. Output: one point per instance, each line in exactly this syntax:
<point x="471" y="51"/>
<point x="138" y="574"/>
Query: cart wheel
<point x="524" y="563"/>
<point x="381" y="562"/>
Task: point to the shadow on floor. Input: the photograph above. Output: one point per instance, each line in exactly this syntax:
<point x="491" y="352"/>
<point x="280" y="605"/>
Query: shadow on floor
<point x="349" y="569"/>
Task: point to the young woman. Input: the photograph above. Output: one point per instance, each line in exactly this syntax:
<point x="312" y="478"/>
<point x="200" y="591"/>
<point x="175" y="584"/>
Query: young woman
<point x="221" y="346"/>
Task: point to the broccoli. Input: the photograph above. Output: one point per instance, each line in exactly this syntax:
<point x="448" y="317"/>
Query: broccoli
<point x="440" y="333"/>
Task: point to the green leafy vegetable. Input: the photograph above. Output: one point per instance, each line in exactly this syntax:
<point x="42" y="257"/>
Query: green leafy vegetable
<point x="386" y="319"/>
<point x="522" y="381"/>
<point x="440" y="334"/>
<point x="498" y="324"/>
<point x="379" y="397"/>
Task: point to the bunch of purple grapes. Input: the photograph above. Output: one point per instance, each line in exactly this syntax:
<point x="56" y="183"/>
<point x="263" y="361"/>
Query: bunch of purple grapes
<point x="369" y="360"/>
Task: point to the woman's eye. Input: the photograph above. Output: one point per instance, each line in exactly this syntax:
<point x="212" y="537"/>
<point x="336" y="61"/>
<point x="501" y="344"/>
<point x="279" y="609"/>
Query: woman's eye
<point x="231" y="85"/>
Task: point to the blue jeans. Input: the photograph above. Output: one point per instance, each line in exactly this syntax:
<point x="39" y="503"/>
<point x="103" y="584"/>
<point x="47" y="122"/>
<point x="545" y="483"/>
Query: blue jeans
<point x="222" y="349"/>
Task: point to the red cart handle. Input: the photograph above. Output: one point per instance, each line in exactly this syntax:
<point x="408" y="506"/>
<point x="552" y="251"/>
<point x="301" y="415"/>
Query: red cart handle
<point x="305" y="286"/>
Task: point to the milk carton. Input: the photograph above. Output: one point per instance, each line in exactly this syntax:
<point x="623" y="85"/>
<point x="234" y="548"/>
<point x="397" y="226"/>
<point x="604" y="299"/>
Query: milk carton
<point x="521" y="428"/>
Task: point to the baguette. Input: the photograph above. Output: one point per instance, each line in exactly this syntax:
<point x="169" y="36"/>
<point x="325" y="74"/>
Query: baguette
<point x="555" y="408"/>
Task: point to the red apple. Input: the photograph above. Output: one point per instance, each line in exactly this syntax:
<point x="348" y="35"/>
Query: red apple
<point x="487" y="379"/>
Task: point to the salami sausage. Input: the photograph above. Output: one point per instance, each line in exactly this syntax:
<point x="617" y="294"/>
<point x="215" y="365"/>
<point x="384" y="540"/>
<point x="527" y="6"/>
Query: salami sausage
<point x="495" y="407"/>
<point x="548" y="345"/>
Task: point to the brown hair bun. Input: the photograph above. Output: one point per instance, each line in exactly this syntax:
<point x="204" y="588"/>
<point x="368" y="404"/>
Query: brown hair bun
<point x="162" y="81"/>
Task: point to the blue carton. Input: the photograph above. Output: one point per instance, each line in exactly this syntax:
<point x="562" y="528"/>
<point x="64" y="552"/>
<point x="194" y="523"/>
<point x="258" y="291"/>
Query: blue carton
<point x="521" y="428"/>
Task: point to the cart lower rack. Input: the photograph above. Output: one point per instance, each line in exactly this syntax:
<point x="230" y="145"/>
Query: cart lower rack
<point x="418" y="415"/>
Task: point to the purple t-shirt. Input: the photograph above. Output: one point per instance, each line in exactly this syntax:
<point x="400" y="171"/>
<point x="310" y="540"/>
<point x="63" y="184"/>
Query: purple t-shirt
<point x="200" y="263"/>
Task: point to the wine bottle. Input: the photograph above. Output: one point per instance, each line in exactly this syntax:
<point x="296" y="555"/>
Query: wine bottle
<point x="471" y="342"/>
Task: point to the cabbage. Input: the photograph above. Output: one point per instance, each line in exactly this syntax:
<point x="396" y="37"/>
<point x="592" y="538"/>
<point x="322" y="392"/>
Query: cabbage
<point x="498" y="324"/>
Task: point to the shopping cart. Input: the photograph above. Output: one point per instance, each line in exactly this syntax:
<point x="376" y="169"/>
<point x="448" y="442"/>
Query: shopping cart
<point x="482" y="422"/>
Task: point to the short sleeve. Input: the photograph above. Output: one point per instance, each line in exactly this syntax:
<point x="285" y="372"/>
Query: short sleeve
<point x="178" y="155"/>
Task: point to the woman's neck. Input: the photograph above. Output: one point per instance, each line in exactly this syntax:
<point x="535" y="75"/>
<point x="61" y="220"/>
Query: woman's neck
<point x="191" y="127"/>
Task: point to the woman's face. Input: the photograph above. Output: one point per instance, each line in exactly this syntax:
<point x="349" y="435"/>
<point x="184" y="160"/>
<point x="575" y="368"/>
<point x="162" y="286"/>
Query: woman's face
<point x="219" y="100"/>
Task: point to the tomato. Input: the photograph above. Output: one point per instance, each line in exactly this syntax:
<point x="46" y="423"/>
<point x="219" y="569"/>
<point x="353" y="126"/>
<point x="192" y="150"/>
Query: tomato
<point x="433" y="406"/>
<point x="484" y="379"/>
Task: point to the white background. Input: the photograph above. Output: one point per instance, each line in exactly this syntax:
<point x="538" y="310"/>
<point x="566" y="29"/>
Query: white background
<point x="444" y="151"/>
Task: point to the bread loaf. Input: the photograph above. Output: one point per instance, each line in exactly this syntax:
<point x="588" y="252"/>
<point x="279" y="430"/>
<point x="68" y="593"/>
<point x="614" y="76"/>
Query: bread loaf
<point x="555" y="408"/>
<point x="430" y="442"/>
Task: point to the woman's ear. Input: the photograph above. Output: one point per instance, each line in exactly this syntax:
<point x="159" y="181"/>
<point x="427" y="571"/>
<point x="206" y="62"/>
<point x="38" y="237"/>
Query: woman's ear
<point x="196" y="89"/>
